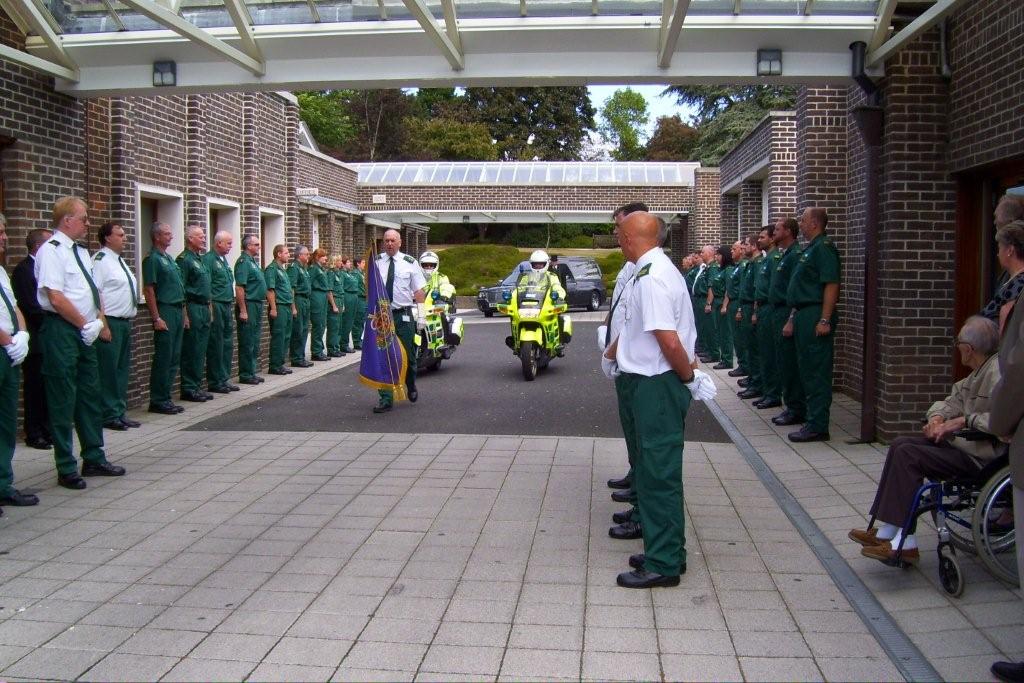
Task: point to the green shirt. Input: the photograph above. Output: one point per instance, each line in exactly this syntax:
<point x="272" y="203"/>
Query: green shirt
<point x="299" y="275"/>
<point x="221" y="278"/>
<point x="196" y="276"/>
<point x="337" y="280"/>
<point x="750" y="279"/>
<point x="718" y="280"/>
<point x="782" y="273"/>
<point x="318" y="280"/>
<point x="703" y="282"/>
<point x="351" y="282"/>
<point x="817" y="266"/>
<point x="764" y="275"/>
<point x="361" y="281"/>
<point x="249" y="276"/>
<point x="277" y="279"/>
<point x="732" y="287"/>
<point x="160" y="271"/>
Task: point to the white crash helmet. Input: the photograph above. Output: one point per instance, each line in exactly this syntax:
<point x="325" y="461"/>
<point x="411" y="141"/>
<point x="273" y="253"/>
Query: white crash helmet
<point x="429" y="258"/>
<point x="539" y="256"/>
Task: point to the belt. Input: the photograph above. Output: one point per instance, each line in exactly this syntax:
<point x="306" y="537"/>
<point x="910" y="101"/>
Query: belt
<point x="806" y="305"/>
<point x="201" y="302"/>
<point x="223" y="301"/>
<point x="117" y="317"/>
<point x="254" y="301"/>
<point x="304" y="296"/>
<point x="401" y="308"/>
<point x="763" y="302"/>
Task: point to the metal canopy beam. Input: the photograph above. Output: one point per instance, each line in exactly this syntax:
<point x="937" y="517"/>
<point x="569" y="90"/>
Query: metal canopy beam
<point x="451" y="23"/>
<point x="886" y="8"/>
<point x="419" y="10"/>
<point x="313" y="11"/>
<point x="197" y="35"/>
<point x="242" y="20"/>
<point x="670" y="33"/>
<point x="39" y="26"/>
<point x="928" y="18"/>
<point x="10" y="9"/>
<point x="36" y="64"/>
<point x="808" y="7"/>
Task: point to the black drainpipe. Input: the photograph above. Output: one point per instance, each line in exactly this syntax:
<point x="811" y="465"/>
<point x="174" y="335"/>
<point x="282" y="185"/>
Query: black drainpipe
<point x="871" y="121"/>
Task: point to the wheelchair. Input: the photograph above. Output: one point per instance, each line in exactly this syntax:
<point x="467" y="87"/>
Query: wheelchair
<point x="971" y="514"/>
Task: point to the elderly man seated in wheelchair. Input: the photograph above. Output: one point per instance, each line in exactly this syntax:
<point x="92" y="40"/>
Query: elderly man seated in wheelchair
<point x="939" y="453"/>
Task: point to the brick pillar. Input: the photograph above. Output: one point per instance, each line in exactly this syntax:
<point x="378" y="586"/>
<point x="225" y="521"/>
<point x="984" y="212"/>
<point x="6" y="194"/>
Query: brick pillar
<point x="750" y="203"/>
<point x="97" y="161"/>
<point x="730" y="217"/>
<point x="706" y="220"/>
<point x="782" y="169"/>
<point x="196" y="205"/>
<point x="291" y="133"/>
<point x="250" y="212"/>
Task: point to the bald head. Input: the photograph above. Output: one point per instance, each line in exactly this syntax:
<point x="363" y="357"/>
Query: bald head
<point x="392" y="242"/>
<point x="638" y="234"/>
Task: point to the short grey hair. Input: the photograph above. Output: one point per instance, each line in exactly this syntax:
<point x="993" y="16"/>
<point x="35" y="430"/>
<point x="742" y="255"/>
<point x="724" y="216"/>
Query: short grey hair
<point x="158" y="227"/>
<point x="3" y="220"/>
<point x="662" y="230"/>
<point x="981" y="333"/>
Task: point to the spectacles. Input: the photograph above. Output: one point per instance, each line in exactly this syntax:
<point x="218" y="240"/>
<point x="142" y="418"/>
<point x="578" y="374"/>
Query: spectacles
<point x="957" y="342"/>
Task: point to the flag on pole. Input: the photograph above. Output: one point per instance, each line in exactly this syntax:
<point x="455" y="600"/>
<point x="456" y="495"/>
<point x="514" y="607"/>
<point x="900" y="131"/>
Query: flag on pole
<point x="384" y="363"/>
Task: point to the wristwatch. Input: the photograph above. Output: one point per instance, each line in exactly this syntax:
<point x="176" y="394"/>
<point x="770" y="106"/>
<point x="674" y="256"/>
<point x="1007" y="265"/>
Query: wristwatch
<point x="824" y="321"/>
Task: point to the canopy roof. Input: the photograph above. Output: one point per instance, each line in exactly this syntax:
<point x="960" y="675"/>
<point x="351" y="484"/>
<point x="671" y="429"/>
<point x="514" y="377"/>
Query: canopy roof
<point x="526" y="173"/>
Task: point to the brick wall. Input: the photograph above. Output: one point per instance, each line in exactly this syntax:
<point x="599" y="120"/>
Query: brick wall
<point x="730" y="211"/>
<point x="771" y="142"/>
<point x="750" y="204"/>
<point x="782" y="176"/>
<point x="706" y="223"/>
<point x="850" y="332"/>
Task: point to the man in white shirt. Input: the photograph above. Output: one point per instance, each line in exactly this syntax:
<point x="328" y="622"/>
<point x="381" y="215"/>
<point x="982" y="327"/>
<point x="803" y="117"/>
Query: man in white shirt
<point x="73" y="323"/>
<point x="119" y="293"/>
<point x="654" y="354"/>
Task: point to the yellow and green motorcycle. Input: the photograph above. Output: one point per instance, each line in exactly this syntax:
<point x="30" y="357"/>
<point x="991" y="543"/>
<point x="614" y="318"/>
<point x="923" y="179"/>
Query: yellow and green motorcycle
<point x="540" y="327"/>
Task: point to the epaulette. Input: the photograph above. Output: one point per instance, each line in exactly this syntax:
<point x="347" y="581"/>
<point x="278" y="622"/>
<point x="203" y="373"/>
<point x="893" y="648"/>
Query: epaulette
<point x="99" y="255"/>
<point x="409" y="259"/>
<point x="55" y="243"/>
<point x="643" y="271"/>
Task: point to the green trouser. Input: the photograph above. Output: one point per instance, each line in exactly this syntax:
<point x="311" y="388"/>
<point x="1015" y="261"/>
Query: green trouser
<point x="10" y="376"/>
<point x="221" y="345"/>
<point x="166" y="353"/>
<point x="712" y="344"/>
<point x="71" y="376"/>
<point x="194" y="343"/>
<point x="300" y="329"/>
<point x="749" y="333"/>
<point x="249" y="340"/>
<point x="318" y="322"/>
<point x="724" y="332"/>
<point x="359" y="322"/>
<point x="789" y="372"/>
<point x="334" y="330"/>
<point x="739" y="342"/>
<point x="405" y="331"/>
<point x="280" y="333"/>
<point x="766" y="344"/>
<point x="348" y="322"/>
<point x="698" y="321"/>
<point x="630" y="435"/>
<point x="115" y="359"/>
<point x="657" y="413"/>
<point x="814" y="355"/>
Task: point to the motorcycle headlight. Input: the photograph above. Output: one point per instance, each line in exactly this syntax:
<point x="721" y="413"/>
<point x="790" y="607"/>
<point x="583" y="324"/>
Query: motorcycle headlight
<point x="436" y="294"/>
<point x="554" y="296"/>
<point x="529" y="313"/>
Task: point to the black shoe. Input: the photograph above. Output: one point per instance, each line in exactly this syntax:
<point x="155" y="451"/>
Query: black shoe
<point x="249" y="380"/>
<point x="413" y="395"/>
<point x="165" y="408"/>
<point x="745" y="382"/>
<point x="637" y="561"/>
<point x="749" y="393"/>
<point x="101" y="469"/>
<point x="787" y="418"/>
<point x="1010" y="672"/>
<point x="626" y="531"/>
<point x="302" y="364"/>
<point x="261" y="380"/>
<point x="382" y="409"/>
<point x="623" y="483"/>
<point x="71" y="481"/>
<point x="130" y="423"/>
<point x="177" y="408"/>
<point x="805" y="435"/>
<point x="764" y="405"/>
<point x="220" y="390"/>
<point x="232" y="387"/>
<point x="18" y="499"/>
<point x="622" y="516"/>
<point x="116" y="425"/>
<point x="348" y="350"/>
<point x="193" y="396"/>
<point x="738" y="372"/>
<point x="207" y="396"/>
<point x="321" y="357"/>
<point x="723" y="366"/>
<point x="638" y="578"/>
<point x="40" y="442"/>
<point x="622" y="496"/>
<point x="278" y="371"/>
<point x="335" y="354"/>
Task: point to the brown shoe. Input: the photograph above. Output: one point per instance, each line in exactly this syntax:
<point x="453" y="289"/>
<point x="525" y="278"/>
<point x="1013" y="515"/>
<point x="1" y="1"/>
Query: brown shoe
<point x="883" y="552"/>
<point x="866" y="537"/>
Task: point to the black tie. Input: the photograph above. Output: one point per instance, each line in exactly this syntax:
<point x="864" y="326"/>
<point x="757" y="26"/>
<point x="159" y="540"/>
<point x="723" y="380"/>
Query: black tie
<point x="10" y="309"/>
<point x="85" y="274"/>
<point x="389" y="284"/>
<point x="131" y="284"/>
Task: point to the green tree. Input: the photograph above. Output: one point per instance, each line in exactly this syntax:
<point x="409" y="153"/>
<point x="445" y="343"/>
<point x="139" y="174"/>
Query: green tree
<point x="623" y="117"/>
<point x="672" y="140"/>
<point x="326" y="115"/>
<point x="378" y="117"/>
<point x="447" y="139"/>
<point x="534" y="123"/>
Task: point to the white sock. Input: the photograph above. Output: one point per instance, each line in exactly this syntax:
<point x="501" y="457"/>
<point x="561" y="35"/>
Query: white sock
<point x="887" y="531"/>
<point x="908" y="544"/>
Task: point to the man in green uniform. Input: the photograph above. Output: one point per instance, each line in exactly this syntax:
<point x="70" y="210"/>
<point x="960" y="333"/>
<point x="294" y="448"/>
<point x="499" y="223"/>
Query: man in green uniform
<point x="321" y="301"/>
<point x="222" y="333"/>
<point x="812" y="296"/>
<point x="785" y="347"/>
<point x="165" y="297"/>
<point x="298" y="273"/>
<point x="732" y="306"/>
<point x="706" y="331"/>
<point x="764" y="311"/>
<point x="335" y="316"/>
<point x="752" y="385"/>
<point x="198" y="290"/>
<point x="719" y="276"/>
<point x="359" y="318"/>
<point x="250" y="291"/>
<point x="281" y="309"/>
<point x="348" y="319"/>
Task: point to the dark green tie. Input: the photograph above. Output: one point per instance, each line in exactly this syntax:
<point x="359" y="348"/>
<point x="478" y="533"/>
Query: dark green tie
<point x="389" y="285"/>
<point x="131" y="285"/>
<point x="10" y="309"/>
<point x="85" y="273"/>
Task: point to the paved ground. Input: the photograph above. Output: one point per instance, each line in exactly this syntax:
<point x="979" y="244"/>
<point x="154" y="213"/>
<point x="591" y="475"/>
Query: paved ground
<point x="440" y="556"/>
<point x="479" y="391"/>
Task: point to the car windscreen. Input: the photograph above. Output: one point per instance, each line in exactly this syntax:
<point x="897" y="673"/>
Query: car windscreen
<point x="586" y="269"/>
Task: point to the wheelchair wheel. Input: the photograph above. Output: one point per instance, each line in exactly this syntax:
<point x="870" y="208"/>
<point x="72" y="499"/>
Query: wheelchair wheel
<point x="994" y="535"/>
<point x="950" y="575"/>
<point x="961" y="536"/>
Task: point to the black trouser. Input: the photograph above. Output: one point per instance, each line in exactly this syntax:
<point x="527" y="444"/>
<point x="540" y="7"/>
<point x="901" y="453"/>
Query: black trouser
<point x="37" y="416"/>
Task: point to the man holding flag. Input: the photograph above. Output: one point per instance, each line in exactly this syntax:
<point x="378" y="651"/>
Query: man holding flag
<point x="396" y="295"/>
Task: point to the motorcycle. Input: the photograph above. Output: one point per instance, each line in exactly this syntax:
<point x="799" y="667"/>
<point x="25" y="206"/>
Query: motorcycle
<point x="537" y="336"/>
<point x="437" y="341"/>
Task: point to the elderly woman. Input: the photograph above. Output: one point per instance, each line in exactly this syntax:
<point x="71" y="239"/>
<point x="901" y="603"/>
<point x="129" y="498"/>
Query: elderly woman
<point x="937" y="454"/>
<point x="1010" y="245"/>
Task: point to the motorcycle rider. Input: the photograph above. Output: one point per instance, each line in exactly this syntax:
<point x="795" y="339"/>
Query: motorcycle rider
<point x="539" y="275"/>
<point x="438" y="282"/>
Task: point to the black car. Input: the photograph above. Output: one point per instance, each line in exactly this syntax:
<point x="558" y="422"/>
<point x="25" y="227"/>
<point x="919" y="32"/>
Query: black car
<point x="584" y="287"/>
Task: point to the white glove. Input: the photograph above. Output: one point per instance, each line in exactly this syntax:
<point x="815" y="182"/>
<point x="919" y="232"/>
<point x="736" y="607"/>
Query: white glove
<point x="91" y="331"/>
<point x="702" y="388"/>
<point x="609" y="367"/>
<point x="421" y="316"/>
<point x="602" y="330"/>
<point x="17" y="350"/>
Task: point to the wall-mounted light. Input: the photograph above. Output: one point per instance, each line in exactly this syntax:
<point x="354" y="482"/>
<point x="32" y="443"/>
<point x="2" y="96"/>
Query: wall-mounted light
<point x="465" y="219"/>
<point x="165" y="73"/>
<point x="769" y="62"/>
